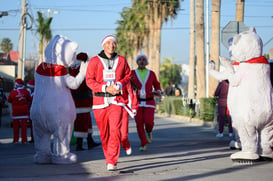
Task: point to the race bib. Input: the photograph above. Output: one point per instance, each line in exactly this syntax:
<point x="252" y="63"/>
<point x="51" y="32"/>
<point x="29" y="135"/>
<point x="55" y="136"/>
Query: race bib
<point x="109" y="76"/>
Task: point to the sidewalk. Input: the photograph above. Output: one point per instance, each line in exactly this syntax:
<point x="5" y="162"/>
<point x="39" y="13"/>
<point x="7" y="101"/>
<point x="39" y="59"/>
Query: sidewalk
<point x="180" y="151"/>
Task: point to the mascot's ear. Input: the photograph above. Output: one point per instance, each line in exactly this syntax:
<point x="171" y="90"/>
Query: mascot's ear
<point x="252" y="29"/>
<point x="82" y="56"/>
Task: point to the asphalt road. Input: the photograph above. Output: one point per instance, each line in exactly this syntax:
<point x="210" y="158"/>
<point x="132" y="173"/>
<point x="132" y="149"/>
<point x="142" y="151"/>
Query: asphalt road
<point x="180" y="151"/>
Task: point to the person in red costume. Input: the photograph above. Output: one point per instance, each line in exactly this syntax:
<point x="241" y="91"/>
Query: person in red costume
<point x="129" y="109"/>
<point x="83" y="101"/>
<point x="147" y="86"/>
<point x="19" y="98"/>
<point x="30" y="88"/>
<point x="107" y="74"/>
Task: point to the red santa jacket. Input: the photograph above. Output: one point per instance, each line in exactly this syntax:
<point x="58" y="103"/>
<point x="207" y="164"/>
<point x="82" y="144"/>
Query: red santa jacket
<point x="145" y="88"/>
<point x="83" y="95"/>
<point x="95" y="79"/>
<point x="20" y="99"/>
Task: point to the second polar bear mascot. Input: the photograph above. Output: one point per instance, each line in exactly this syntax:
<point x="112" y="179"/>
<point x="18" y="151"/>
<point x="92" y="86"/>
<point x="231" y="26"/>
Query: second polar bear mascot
<point x="250" y="96"/>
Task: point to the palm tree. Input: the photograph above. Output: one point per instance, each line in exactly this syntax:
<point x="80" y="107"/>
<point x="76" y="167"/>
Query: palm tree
<point x="158" y="12"/>
<point x="44" y="33"/>
<point x="131" y="32"/>
<point x="143" y="24"/>
<point x="215" y="41"/>
<point x="200" y="55"/>
<point x="192" y="51"/>
<point x="6" y="45"/>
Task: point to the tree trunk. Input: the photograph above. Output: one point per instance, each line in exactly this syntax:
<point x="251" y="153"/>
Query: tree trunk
<point x="215" y="42"/>
<point x="41" y="49"/>
<point x="192" y="51"/>
<point x="200" y="54"/>
<point x="157" y="46"/>
<point x="152" y="42"/>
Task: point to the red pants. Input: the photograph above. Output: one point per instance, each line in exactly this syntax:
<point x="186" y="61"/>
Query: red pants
<point x="144" y="121"/>
<point x="81" y="125"/>
<point x="31" y="129"/>
<point x="16" y="128"/>
<point x="109" y="123"/>
<point x="124" y="130"/>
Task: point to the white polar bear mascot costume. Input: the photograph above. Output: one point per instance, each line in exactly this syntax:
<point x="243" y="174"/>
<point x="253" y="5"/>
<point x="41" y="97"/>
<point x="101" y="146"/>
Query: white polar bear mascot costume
<point x="250" y="96"/>
<point x="53" y="111"/>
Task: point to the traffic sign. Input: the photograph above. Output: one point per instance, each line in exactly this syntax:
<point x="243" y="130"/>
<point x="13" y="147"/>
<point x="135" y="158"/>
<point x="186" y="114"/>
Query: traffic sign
<point x="231" y="29"/>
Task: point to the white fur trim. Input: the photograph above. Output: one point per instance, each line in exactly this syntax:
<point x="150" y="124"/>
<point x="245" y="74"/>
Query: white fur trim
<point x="109" y="37"/>
<point x="20" y="117"/>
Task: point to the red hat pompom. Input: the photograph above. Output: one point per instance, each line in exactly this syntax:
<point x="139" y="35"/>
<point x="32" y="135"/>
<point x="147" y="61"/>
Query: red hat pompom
<point x="82" y="56"/>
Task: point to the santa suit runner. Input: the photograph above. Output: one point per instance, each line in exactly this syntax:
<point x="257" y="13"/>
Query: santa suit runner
<point x="108" y="109"/>
<point x="146" y="106"/>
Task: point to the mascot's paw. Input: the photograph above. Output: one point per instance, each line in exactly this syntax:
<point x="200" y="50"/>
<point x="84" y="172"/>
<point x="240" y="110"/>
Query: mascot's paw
<point x="211" y="65"/>
<point x="227" y="64"/>
<point x="42" y="158"/>
<point x="70" y="158"/>
<point x="234" y="145"/>
<point x="244" y="158"/>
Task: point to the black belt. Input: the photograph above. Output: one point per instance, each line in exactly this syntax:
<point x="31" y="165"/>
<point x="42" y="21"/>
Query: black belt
<point x="105" y="94"/>
<point x="147" y="99"/>
<point x="82" y="95"/>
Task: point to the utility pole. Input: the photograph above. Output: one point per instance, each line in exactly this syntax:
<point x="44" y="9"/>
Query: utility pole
<point x="240" y="8"/>
<point x="22" y="42"/>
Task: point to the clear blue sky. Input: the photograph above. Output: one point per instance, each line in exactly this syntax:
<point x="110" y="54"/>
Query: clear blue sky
<point x="88" y="21"/>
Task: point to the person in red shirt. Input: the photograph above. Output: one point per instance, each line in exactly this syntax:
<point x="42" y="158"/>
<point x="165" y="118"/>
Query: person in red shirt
<point x="147" y="87"/>
<point x="106" y="75"/>
<point x="83" y="101"/>
<point x="130" y="108"/>
<point x="19" y="98"/>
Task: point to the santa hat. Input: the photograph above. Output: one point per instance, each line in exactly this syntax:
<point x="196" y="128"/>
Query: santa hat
<point x="31" y="84"/>
<point x="142" y="56"/>
<point x="82" y="56"/>
<point x="19" y="82"/>
<point x="109" y="37"/>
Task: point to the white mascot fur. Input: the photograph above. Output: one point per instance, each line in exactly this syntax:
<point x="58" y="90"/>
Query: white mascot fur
<point x="53" y="111"/>
<point x="250" y="96"/>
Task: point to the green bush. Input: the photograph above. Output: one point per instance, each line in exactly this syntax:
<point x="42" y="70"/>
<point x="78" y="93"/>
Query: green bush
<point x="174" y="105"/>
<point x="177" y="106"/>
<point x="207" y="108"/>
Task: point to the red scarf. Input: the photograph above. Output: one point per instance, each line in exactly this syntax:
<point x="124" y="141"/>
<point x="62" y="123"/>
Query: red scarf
<point x="47" y="69"/>
<point x="261" y="59"/>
